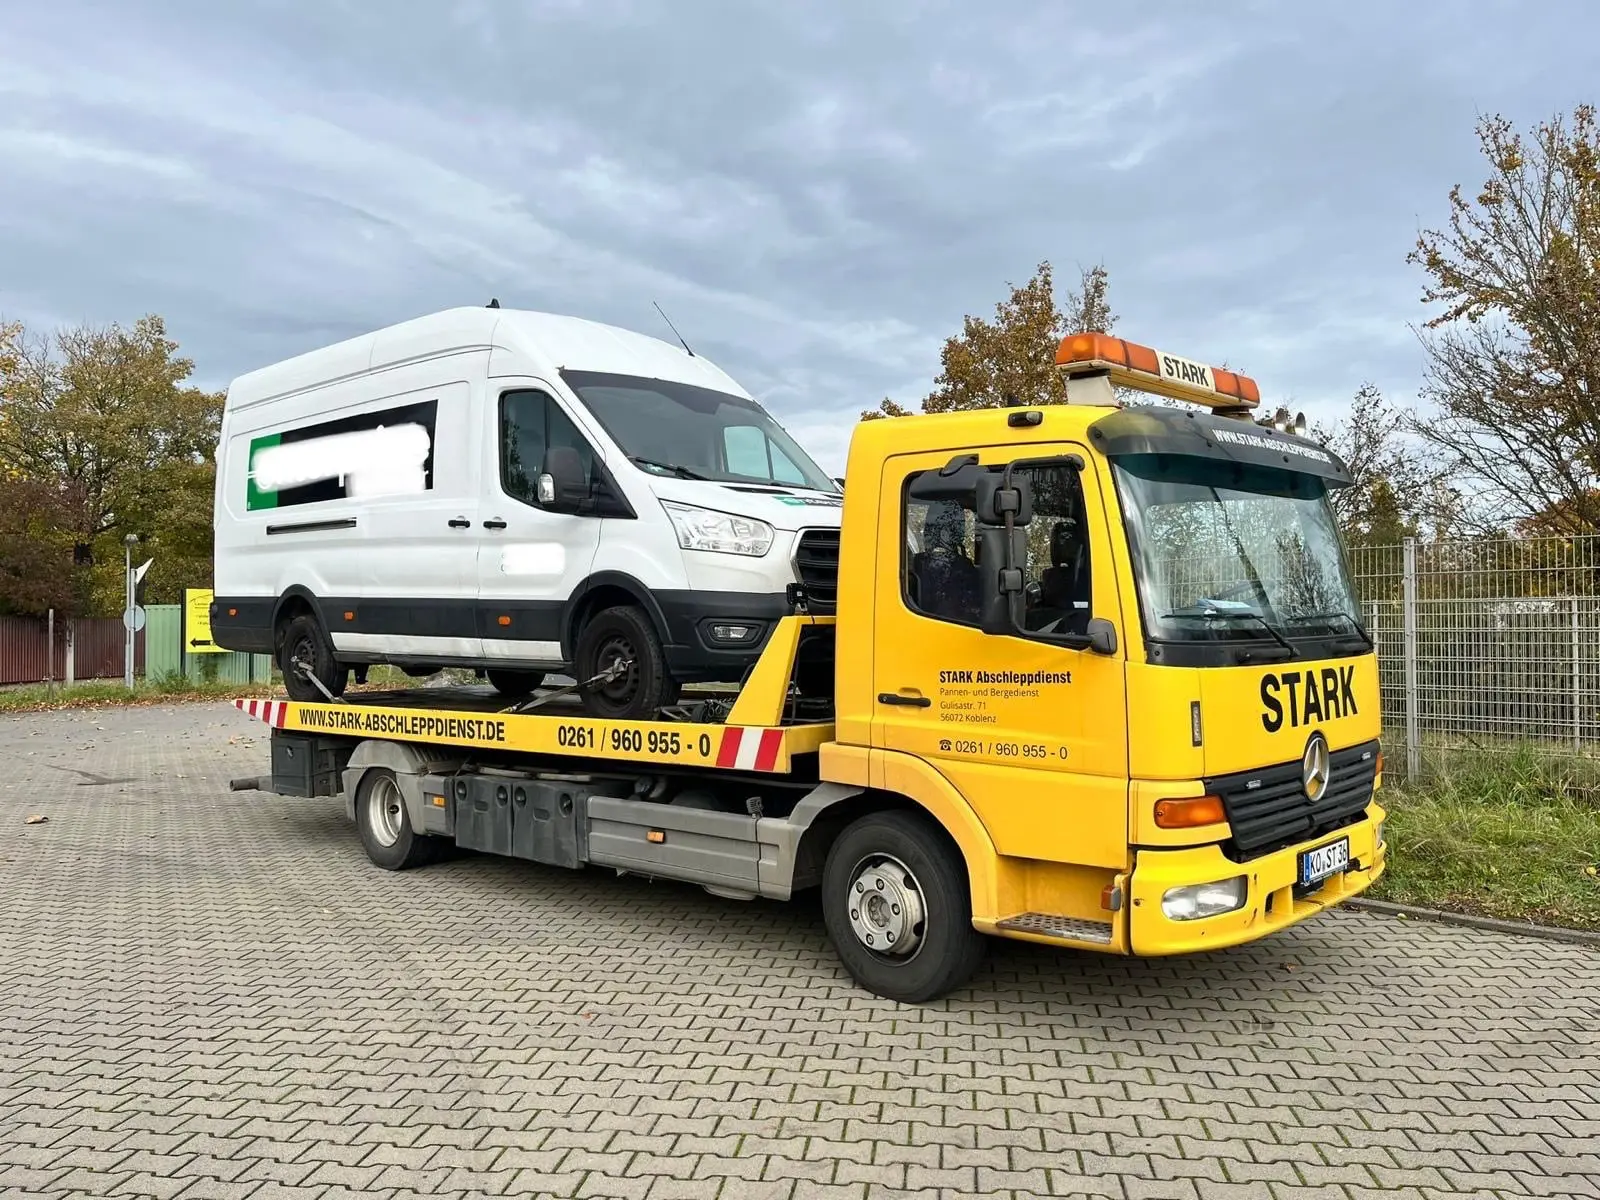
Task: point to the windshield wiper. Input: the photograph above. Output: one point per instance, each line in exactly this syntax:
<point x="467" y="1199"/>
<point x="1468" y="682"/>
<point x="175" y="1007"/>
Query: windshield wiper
<point x="670" y="468"/>
<point x="1356" y="627"/>
<point x="1240" y="615"/>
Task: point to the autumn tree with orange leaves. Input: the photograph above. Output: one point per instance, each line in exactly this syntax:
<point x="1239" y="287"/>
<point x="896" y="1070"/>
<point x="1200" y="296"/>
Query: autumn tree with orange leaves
<point x="1014" y="355"/>
<point x="1514" y="357"/>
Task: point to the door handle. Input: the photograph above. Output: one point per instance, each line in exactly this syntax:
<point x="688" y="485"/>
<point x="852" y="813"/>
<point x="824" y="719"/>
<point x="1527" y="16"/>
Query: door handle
<point x="460" y="523"/>
<point x="904" y="701"/>
<point x="494" y="523"/>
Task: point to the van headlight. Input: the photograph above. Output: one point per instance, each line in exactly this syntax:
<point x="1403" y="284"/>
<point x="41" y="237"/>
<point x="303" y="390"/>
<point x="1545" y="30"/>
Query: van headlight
<point x="718" y="532"/>
<point x="1196" y="900"/>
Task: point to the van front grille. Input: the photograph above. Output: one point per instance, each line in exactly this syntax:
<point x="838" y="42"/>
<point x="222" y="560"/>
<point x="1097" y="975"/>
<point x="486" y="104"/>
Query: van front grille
<point x="816" y="564"/>
<point x="1267" y="809"/>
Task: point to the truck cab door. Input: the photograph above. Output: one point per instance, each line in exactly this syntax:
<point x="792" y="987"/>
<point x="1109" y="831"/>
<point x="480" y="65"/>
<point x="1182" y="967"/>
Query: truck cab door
<point x="1032" y="732"/>
<point x="530" y="559"/>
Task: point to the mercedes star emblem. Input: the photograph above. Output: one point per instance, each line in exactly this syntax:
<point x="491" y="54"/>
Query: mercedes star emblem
<point x="1314" y="768"/>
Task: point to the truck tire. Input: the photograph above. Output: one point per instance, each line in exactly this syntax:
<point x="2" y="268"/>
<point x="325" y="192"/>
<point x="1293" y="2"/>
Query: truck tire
<point x="385" y="826"/>
<point x="514" y="685"/>
<point x="626" y="633"/>
<point x="305" y="640"/>
<point x="897" y="908"/>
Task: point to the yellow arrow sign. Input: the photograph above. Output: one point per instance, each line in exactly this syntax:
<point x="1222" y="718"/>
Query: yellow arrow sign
<point x="197" y="622"/>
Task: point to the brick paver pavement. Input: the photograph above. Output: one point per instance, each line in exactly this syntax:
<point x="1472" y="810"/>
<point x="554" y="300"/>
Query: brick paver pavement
<point x="207" y="994"/>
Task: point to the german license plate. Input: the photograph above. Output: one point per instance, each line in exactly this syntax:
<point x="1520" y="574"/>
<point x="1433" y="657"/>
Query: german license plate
<point x="1316" y="865"/>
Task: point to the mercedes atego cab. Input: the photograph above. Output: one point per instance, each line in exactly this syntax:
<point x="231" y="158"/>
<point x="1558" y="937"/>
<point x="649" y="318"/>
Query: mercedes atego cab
<point x="512" y="491"/>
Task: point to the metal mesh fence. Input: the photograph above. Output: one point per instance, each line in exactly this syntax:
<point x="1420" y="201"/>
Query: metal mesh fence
<point x="1488" y="645"/>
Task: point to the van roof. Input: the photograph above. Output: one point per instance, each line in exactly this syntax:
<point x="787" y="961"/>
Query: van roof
<point x="546" y="343"/>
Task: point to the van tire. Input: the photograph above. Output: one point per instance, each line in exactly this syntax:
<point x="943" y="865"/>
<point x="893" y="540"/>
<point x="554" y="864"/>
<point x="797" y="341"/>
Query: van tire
<point x="385" y="825"/>
<point x="304" y="638"/>
<point x="514" y="685"/>
<point x="924" y="871"/>
<point x="624" y="631"/>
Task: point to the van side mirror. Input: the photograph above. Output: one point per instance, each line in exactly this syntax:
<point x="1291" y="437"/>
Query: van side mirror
<point x="561" y="485"/>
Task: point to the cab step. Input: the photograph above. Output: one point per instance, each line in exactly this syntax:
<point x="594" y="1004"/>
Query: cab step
<point x="1051" y="925"/>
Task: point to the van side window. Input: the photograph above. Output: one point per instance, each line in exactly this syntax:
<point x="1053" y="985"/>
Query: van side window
<point x="530" y="423"/>
<point x="943" y="571"/>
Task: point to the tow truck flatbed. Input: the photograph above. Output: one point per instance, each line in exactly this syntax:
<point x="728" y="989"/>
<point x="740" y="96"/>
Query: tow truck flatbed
<point x="463" y="719"/>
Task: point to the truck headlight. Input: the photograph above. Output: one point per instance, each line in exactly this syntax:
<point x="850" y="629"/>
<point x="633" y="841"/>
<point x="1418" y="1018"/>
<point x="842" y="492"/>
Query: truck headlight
<point x="1196" y="900"/>
<point x="717" y="532"/>
<point x="1381" y="843"/>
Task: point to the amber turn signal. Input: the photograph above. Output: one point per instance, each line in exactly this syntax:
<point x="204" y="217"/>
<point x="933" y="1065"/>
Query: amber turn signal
<point x="1189" y="812"/>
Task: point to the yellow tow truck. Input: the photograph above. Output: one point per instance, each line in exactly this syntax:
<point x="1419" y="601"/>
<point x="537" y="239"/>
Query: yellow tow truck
<point x="1091" y="675"/>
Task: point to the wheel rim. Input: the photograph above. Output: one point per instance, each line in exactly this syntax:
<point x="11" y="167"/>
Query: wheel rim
<point x="305" y="650"/>
<point x="385" y="811"/>
<point x="887" y="911"/>
<point x="615" y="649"/>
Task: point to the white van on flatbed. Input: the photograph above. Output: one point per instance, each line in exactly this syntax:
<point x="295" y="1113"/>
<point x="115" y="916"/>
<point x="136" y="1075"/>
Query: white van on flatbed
<point x="517" y="492"/>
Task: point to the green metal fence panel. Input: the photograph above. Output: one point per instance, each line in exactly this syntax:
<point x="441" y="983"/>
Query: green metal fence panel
<point x="163" y="625"/>
<point x="165" y="656"/>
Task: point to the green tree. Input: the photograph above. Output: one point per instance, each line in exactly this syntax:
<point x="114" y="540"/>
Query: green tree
<point x="37" y="518"/>
<point x="107" y="413"/>
<point x="1514" y="357"/>
<point x="1014" y="355"/>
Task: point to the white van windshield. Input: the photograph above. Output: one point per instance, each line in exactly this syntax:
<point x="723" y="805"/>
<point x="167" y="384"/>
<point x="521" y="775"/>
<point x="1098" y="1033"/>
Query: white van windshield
<point x="695" y="433"/>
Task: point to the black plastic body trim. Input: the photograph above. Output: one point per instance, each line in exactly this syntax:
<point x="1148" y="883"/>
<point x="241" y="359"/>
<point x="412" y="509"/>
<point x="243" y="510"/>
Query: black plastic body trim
<point x="313" y="526"/>
<point x="680" y="616"/>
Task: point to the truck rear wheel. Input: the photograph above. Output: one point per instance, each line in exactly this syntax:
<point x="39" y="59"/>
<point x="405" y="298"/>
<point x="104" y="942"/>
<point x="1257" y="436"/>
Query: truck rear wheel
<point x="385" y="826"/>
<point x="304" y="641"/>
<point x="624" y="639"/>
<point x="514" y="685"/>
<point x="895" y="900"/>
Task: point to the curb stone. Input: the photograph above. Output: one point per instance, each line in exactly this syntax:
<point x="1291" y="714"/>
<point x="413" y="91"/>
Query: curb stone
<point x="1489" y="924"/>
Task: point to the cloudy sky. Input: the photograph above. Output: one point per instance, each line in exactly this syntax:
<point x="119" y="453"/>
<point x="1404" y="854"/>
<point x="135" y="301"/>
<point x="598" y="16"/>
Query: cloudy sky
<point x="815" y="193"/>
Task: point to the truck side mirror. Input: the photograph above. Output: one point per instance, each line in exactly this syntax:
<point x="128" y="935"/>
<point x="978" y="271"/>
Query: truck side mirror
<point x="561" y="485"/>
<point x="995" y="497"/>
<point x="1102" y="636"/>
<point x="1001" y="579"/>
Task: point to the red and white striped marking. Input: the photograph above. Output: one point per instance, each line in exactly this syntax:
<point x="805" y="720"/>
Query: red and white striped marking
<point x="273" y="712"/>
<point x="750" y="749"/>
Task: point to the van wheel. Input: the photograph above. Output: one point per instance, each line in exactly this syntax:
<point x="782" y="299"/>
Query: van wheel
<point x="304" y="640"/>
<point x="385" y="826"/>
<point x="515" y="684"/>
<point x="624" y="634"/>
<point x="895" y="900"/>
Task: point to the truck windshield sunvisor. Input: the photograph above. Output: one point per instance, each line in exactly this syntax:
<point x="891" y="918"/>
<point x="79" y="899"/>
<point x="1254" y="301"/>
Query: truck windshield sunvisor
<point x="688" y="432"/>
<point x="1150" y="430"/>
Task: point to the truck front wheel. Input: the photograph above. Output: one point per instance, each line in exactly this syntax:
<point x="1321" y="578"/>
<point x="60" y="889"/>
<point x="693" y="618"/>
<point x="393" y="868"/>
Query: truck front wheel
<point x="386" y="832"/>
<point x="897" y="908"/>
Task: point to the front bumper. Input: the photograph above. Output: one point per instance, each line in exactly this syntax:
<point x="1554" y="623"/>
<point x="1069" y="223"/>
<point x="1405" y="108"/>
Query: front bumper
<point x="693" y="654"/>
<point x="1270" y="901"/>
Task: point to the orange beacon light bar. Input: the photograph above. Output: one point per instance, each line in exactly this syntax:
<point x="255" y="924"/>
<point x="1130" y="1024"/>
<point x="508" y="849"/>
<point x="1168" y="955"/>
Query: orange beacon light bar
<point x="1100" y="359"/>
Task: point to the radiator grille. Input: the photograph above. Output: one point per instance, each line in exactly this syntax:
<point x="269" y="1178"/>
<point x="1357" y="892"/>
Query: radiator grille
<point x="816" y="564"/>
<point x="1267" y="808"/>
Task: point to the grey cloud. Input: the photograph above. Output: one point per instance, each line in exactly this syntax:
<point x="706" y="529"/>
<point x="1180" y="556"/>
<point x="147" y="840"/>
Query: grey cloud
<point x="815" y="193"/>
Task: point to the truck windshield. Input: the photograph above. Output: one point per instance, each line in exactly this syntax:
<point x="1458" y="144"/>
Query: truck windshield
<point x="695" y="433"/>
<point x="1228" y="552"/>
